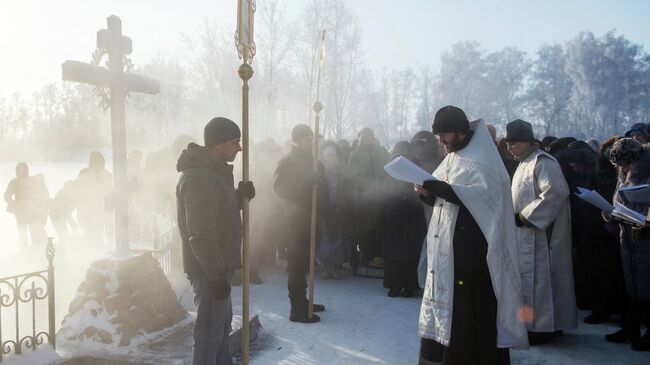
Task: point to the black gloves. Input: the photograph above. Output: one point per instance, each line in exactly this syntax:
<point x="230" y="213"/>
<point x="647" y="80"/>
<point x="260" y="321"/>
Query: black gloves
<point x="246" y="189"/>
<point x="220" y="289"/>
<point x="518" y="220"/>
<point x="443" y="190"/>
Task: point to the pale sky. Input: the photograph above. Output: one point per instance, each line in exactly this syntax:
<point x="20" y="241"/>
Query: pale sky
<point x="36" y="36"/>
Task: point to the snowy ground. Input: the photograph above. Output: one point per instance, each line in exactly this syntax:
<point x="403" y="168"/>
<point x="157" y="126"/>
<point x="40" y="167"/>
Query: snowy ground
<point x="364" y="326"/>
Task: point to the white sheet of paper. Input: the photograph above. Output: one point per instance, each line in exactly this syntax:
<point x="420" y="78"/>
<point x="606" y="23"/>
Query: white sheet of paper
<point x="403" y="169"/>
<point x="636" y="194"/>
<point x="594" y="198"/>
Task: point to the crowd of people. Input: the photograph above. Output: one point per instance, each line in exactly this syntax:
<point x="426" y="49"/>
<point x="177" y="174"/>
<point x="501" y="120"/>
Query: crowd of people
<point x="569" y="255"/>
<point x="498" y="235"/>
<point x="81" y="205"/>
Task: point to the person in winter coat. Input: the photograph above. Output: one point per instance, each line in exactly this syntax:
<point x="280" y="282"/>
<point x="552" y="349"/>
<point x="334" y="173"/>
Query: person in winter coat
<point x="334" y="241"/>
<point x="596" y="258"/>
<point x="366" y="165"/>
<point x="543" y="216"/>
<point x="210" y="226"/>
<point x="632" y="160"/>
<point x="28" y="198"/>
<point x="472" y="309"/>
<point x="405" y="230"/>
<point x="61" y="209"/>
<point x="94" y="183"/>
<point x="294" y="180"/>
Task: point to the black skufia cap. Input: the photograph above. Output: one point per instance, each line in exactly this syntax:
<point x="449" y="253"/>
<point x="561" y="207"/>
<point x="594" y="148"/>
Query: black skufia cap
<point x="450" y="119"/>
<point x="519" y="131"/>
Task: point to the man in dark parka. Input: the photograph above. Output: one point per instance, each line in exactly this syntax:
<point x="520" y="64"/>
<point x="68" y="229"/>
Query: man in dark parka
<point x="294" y="179"/>
<point x="211" y="231"/>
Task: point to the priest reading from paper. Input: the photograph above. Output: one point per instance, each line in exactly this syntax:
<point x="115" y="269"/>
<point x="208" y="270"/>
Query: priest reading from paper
<point x="473" y="277"/>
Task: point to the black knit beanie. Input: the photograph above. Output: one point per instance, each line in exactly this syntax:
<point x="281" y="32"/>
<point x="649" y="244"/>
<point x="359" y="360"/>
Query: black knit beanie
<point x="519" y="131"/>
<point x="301" y="131"/>
<point x="220" y="130"/>
<point x="450" y="119"/>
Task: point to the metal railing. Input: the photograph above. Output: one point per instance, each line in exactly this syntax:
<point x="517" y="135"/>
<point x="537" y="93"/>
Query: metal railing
<point x="26" y="290"/>
<point x="164" y="235"/>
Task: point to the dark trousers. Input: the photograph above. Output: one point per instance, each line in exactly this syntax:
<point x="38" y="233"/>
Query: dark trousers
<point x="400" y="275"/>
<point x="298" y="267"/>
<point x="636" y="312"/>
<point x="473" y="326"/>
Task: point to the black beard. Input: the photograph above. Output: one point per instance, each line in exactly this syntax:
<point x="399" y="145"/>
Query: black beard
<point x="455" y="145"/>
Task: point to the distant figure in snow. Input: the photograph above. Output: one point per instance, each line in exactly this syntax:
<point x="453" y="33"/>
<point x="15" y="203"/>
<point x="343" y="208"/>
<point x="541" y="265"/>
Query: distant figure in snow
<point x="93" y="184"/>
<point x="27" y="199"/>
<point x="61" y="208"/>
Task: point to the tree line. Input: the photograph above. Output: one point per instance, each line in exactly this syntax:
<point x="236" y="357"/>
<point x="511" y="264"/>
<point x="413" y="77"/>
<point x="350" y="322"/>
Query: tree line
<point x="588" y="86"/>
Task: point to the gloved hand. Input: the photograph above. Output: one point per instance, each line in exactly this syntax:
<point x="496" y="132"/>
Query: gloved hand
<point x="246" y="189"/>
<point x="518" y="220"/>
<point x="435" y="186"/>
<point x="220" y="289"/>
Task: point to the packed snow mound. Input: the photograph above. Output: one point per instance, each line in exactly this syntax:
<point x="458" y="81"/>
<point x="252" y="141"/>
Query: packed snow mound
<point x="44" y="355"/>
<point x="120" y="301"/>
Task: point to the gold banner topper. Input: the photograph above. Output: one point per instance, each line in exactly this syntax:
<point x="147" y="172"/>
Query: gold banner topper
<point x="244" y="35"/>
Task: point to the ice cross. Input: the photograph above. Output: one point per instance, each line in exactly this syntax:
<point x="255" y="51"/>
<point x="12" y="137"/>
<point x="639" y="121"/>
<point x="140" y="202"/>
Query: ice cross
<point x="117" y="46"/>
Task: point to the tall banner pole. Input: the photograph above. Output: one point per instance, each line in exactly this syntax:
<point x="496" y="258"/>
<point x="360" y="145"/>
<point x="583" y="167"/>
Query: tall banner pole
<point x="314" y="191"/>
<point x="246" y="50"/>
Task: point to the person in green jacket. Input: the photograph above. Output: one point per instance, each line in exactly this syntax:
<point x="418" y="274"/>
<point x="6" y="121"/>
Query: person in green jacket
<point x="366" y="167"/>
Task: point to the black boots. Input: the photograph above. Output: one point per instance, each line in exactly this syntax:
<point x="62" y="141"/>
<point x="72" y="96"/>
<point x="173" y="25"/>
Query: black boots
<point x="639" y="343"/>
<point x="299" y="310"/>
<point x="623" y="335"/>
<point x="642" y="343"/>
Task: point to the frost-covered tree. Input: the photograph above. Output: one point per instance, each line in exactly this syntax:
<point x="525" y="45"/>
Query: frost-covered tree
<point x="608" y="76"/>
<point x="461" y="78"/>
<point x="549" y="91"/>
<point x="505" y="72"/>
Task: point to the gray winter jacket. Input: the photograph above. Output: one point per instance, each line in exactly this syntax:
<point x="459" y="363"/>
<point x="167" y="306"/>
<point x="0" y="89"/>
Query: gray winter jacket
<point x="208" y="214"/>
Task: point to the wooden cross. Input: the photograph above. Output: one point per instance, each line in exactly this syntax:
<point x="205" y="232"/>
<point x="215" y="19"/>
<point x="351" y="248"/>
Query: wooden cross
<point x="117" y="46"/>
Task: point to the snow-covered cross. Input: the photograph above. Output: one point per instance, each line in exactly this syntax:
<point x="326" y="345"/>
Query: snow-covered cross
<point x="117" y="46"/>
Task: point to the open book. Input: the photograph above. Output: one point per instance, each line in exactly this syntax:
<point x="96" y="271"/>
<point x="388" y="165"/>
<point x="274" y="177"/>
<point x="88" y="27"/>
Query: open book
<point x="627" y="214"/>
<point x="617" y="210"/>
<point x="635" y="194"/>
<point x="403" y="169"/>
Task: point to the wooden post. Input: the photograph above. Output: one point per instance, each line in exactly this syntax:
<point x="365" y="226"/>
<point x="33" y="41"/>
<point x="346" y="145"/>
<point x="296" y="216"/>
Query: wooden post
<point x="314" y="191"/>
<point x="246" y="50"/>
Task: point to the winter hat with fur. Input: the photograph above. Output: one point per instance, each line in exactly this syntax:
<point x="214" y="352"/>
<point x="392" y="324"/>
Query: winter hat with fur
<point x="625" y="151"/>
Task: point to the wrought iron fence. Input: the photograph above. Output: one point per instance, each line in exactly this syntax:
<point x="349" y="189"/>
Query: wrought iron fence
<point x="19" y="291"/>
<point x="163" y="233"/>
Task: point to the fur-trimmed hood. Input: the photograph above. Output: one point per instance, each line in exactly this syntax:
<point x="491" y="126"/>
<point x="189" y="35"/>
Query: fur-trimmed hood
<point x="640" y="171"/>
